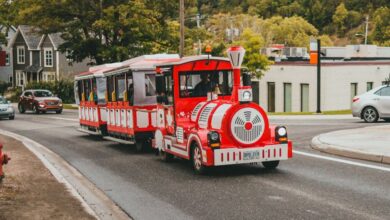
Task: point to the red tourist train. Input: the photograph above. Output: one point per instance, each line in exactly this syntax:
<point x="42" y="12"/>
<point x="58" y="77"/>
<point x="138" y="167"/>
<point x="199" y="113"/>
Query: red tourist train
<point x="200" y="109"/>
<point x="121" y="100"/>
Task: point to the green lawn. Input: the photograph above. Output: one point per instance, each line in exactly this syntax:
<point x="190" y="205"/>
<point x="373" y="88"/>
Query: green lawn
<point x="69" y="106"/>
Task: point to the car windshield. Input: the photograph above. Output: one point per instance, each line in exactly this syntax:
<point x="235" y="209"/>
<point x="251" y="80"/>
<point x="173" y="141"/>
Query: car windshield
<point x="3" y="100"/>
<point x="43" y="93"/>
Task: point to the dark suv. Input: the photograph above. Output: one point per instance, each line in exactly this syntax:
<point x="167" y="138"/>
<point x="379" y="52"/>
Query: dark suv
<point x="39" y="101"/>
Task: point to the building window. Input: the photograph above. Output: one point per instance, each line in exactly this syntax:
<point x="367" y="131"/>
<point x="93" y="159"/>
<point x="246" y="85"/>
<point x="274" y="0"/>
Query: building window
<point x="20" y="53"/>
<point x="287" y="97"/>
<point x="304" y="97"/>
<point x="7" y="59"/>
<point x="370" y="85"/>
<point x="354" y="90"/>
<point x="271" y="96"/>
<point x="68" y="55"/>
<point x="19" y="78"/>
<point x="48" y="53"/>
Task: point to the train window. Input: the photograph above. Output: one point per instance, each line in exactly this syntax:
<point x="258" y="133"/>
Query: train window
<point x="120" y="87"/>
<point x="199" y="83"/>
<point x="110" y="87"/>
<point x="169" y="89"/>
<point x="150" y="82"/>
<point x="101" y="83"/>
<point x="130" y="88"/>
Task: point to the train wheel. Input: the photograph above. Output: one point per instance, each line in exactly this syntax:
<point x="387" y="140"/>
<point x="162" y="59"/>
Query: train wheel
<point x="196" y="156"/>
<point x="271" y="164"/>
<point x="167" y="157"/>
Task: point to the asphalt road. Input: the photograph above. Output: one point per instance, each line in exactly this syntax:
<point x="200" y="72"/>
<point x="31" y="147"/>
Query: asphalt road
<point x="304" y="187"/>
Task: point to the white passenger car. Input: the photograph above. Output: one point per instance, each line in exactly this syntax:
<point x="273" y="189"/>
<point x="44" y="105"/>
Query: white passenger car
<point x="373" y="105"/>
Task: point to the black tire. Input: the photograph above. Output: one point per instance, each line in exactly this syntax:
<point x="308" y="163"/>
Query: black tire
<point x="196" y="159"/>
<point x="21" y="109"/>
<point x="35" y="109"/>
<point x="59" y="111"/>
<point x="139" y="146"/>
<point x="166" y="157"/>
<point x="370" y="115"/>
<point x="11" y="117"/>
<point x="271" y="164"/>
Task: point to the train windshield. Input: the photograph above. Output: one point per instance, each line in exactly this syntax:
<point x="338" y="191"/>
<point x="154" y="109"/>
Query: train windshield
<point x="199" y="83"/>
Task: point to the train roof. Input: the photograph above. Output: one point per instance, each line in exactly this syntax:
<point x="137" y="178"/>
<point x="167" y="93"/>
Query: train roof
<point x="192" y="59"/>
<point x="145" y="62"/>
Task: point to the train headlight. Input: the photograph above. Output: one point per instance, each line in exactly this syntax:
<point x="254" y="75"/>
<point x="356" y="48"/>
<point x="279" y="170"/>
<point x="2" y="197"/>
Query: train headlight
<point x="245" y="95"/>
<point x="281" y="134"/>
<point x="213" y="139"/>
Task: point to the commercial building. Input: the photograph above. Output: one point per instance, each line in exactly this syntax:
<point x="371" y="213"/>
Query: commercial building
<point x="291" y="86"/>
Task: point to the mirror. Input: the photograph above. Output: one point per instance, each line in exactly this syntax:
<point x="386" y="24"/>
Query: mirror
<point x="246" y="79"/>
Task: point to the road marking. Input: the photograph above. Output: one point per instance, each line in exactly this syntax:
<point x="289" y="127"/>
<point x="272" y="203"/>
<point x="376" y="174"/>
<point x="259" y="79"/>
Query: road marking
<point x="65" y="119"/>
<point x="342" y="161"/>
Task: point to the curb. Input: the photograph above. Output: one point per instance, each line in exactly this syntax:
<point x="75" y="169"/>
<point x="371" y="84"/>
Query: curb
<point x="93" y="200"/>
<point x="317" y="144"/>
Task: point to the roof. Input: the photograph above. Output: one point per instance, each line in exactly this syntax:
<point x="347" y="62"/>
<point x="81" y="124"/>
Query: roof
<point x="31" y="36"/>
<point x="56" y="40"/>
<point x="192" y="59"/>
<point x="145" y="62"/>
<point x="33" y="69"/>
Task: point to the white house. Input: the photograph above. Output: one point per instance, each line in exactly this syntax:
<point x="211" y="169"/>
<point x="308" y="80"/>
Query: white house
<point x="291" y="86"/>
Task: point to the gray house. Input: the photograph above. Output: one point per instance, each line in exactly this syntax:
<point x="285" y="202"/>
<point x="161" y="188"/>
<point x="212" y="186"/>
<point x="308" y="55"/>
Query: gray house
<point x="7" y="70"/>
<point x="37" y="58"/>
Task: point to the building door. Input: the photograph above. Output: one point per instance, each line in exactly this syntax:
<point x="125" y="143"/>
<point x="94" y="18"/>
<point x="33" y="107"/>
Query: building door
<point x="287" y="97"/>
<point x="304" y="97"/>
<point x="256" y="92"/>
<point x="354" y="88"/>
<point x="271" y="96"/>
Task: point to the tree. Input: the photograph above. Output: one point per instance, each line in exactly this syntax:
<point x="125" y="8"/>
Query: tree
<point x="381" y="33"/>
<point x="253" y="60"/>
<point x="339" y="18"/>
<point x="106" y="31"/>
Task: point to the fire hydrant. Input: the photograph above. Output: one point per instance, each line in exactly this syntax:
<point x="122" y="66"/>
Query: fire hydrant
<point x="4" y="158"/>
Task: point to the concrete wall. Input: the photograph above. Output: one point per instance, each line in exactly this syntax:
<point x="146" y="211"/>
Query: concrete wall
<point x="336" y="83"/>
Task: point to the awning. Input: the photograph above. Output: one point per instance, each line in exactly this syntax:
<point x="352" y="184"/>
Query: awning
<point x="33" y="69"/>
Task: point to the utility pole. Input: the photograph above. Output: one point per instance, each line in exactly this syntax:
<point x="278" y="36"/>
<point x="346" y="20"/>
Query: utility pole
<point x="198" y="25"/>
<point x="181" y="49"/>
<point x="366" y="34"/>
<point x="318" y="76"/>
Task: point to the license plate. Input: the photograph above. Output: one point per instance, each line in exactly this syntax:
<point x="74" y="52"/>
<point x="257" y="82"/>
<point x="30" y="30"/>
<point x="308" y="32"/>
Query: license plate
<point x="251" y="155"/>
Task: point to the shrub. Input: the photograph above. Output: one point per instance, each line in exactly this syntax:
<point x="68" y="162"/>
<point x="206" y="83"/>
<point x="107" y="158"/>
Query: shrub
<point x="3" y="87"/>
<point x="63" y="89"/>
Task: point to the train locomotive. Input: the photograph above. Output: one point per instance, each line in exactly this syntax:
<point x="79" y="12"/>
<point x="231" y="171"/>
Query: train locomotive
<point x="205" y="114"/>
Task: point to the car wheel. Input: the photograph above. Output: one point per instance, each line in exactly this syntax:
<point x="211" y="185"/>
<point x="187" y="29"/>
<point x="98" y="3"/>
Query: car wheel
<point x="196" y="156"/>
<point x="271" y="164"/>
<point x="59" y="112"/>
<point x="11" y="117"/>
<point x="370" y="115"/>
<point x="21" y="109"/>
<point x="166" y="157"/>
<point x="35" y="109"/>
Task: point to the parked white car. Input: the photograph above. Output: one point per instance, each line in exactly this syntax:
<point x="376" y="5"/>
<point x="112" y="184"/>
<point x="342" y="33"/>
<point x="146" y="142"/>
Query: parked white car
<point x="373" y="105"/>
<point x="6" y="109"/>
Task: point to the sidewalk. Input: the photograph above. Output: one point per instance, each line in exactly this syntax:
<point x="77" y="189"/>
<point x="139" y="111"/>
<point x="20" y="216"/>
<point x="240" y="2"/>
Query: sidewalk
<point x="29" y="190"/>
<point x="370" y="143"/>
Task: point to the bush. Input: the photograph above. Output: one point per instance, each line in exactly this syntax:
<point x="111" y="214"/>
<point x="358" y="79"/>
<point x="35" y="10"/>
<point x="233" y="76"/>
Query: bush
<point x="63" y="89"/>
<point x="3" y="87"/>
<point x="13" y="94"/>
